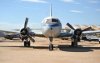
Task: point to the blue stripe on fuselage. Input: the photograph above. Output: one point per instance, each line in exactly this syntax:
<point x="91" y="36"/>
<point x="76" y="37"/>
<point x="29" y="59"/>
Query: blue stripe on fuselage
<point x="54" y="25"/>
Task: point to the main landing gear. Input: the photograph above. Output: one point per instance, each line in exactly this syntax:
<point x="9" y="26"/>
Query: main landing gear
<point x="26" y="42"/>
<point x="50" y="45"/>
<point x="74" y="41"/>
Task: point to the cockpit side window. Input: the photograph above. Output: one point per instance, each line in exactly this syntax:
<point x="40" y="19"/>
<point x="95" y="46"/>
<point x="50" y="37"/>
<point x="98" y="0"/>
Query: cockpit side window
<point x="48" y="21"/>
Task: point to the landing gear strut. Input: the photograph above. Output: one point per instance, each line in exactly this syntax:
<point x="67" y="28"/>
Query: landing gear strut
<point x="74" y="41"/>
<point x="26" y="42"/>
<point x="50" y="45"/>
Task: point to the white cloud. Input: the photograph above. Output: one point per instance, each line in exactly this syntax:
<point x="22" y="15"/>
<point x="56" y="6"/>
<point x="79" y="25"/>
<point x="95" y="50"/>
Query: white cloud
<point x="36" y="1"/>
<point x="98" y="10"/>
<point x="75" y="11"/>
<point x="68" y="1"/>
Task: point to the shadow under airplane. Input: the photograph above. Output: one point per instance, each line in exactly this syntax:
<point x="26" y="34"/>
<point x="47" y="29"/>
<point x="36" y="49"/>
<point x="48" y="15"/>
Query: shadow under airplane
<point x="77" y="49"/>
<point x="66" y="48"/>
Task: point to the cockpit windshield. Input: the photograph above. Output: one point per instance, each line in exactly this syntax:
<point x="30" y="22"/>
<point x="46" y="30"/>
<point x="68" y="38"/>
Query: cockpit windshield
<point x="55" y="20"/>
<point x="52" y="20"/>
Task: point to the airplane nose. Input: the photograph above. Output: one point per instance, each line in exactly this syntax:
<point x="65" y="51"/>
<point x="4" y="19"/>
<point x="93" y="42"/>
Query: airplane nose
<point x="52" y="26"/>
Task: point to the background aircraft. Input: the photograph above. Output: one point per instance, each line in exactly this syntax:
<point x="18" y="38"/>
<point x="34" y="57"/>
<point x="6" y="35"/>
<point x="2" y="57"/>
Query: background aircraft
<point x="91" y="38"/>
<point x="91" y="35"/>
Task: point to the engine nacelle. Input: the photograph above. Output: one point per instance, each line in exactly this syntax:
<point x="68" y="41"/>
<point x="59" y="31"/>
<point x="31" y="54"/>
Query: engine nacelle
<point x="24" y="31"/>
<point x="78" y="32"/>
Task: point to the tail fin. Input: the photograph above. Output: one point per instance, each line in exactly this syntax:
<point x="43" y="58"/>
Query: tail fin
<point x="51" y="10"/>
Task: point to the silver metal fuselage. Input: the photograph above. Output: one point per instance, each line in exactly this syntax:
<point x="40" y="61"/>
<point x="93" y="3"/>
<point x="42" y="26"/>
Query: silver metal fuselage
<point x="51" y="27"/>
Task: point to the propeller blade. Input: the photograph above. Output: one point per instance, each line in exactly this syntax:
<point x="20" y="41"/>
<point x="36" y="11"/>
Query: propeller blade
<point x="31" y="38"/>
<point x="86" y="29"/>
<point x="70" y="26"/>
<point x="26" y="22"/>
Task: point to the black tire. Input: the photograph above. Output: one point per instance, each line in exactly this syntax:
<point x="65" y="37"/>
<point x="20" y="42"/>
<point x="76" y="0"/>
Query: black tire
<point x="50" y="47"/>
<point x="74" y="44"/>
<point x="27" y="44"/>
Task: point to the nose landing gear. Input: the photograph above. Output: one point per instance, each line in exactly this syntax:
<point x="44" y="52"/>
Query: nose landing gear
<point x="50" y="45"/>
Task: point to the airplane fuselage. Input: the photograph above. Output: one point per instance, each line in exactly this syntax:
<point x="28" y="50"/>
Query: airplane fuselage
<point x="51" y="27"/>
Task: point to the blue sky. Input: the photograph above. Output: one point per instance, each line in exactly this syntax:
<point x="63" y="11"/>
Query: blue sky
<point x="13" y="12"/>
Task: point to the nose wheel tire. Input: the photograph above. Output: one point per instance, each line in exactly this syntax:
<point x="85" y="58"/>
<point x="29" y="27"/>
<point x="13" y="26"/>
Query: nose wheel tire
<point x="26" y="43"/>
<point x="50" y="47"/>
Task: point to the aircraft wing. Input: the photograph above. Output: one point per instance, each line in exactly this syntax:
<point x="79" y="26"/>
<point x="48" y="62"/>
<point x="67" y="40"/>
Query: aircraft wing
<point x="9" y="34"/>
<point x="39" y="35"/>
<point x="91" y="32"/>
<point x="65" y="35"/>
<point x="91" y="38"/>
<point x="91" y="35"/>
<point x="68" y="34"/>
<point x="7" y="31"/>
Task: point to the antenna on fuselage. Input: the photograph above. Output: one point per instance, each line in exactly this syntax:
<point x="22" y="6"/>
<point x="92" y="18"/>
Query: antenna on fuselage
<point x="50" y="10"/>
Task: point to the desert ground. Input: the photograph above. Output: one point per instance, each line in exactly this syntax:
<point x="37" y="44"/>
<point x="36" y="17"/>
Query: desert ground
<point x="12" y="51"/>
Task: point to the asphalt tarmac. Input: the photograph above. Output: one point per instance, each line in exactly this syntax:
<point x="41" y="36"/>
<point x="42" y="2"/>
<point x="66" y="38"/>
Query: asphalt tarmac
<point x="12" y="51"/>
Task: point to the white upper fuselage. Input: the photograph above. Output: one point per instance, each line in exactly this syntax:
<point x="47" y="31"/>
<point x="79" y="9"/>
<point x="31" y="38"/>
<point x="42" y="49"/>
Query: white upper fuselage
<point x="51" y="27"/>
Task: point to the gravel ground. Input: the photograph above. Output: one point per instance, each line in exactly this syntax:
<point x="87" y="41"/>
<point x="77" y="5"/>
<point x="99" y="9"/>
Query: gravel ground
<point x="12" y="51"/>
